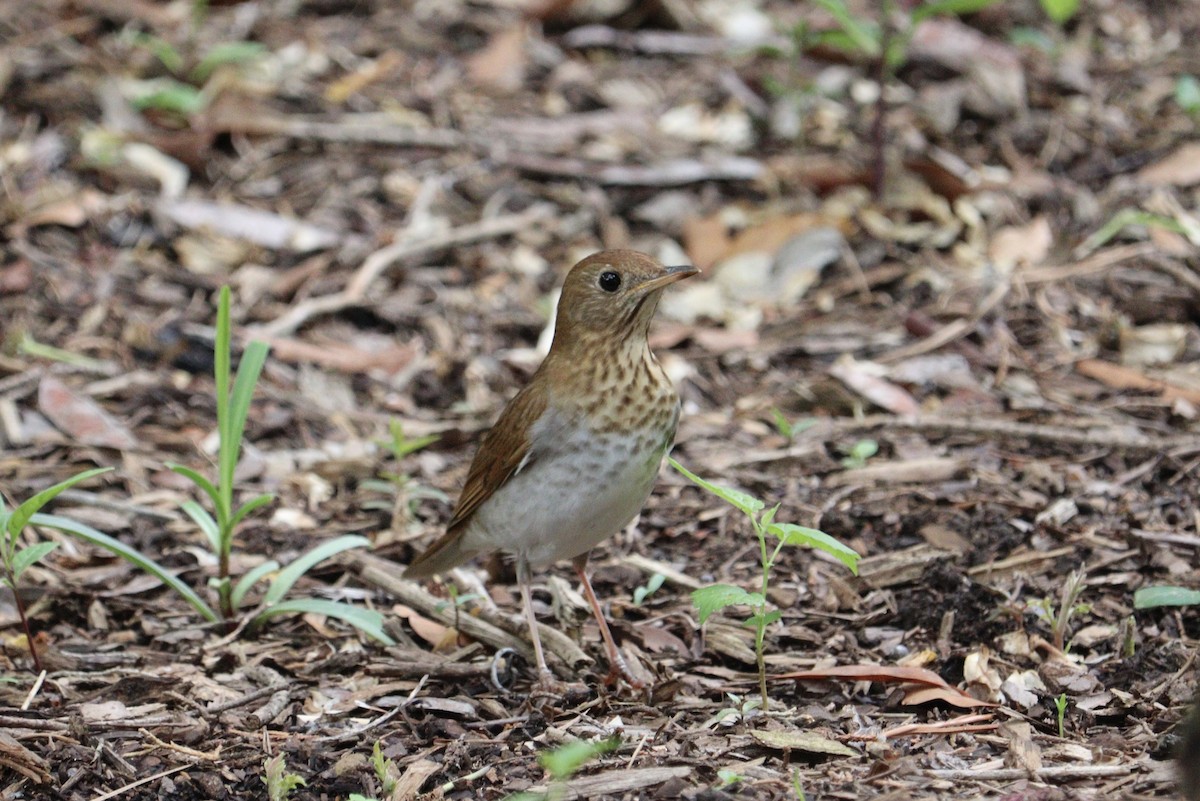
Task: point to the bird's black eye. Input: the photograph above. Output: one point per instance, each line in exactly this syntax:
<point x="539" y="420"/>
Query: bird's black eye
<point x="610" y="281"/>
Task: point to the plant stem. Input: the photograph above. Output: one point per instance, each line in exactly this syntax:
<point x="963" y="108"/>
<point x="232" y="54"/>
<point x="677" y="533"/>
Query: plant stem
<point x="760" y="633"/>
<point x="37" y="662"/>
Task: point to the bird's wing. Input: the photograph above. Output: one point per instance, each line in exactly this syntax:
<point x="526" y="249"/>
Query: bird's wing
<point x="503" y="452"/>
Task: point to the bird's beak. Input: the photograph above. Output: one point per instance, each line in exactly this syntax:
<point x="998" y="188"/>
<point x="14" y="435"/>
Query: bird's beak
<point x="670" y="275"/>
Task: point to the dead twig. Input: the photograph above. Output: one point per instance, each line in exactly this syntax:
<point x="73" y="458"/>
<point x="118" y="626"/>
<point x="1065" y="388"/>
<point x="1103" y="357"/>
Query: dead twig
<point x="378" y="262"/>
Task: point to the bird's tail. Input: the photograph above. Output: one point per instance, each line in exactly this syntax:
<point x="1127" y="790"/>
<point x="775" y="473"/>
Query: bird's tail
<point x="443" y="555"/>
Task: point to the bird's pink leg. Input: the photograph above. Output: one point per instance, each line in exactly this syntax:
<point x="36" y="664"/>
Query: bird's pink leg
<point x="616" y="661"/>
<point x="544" y="673"/>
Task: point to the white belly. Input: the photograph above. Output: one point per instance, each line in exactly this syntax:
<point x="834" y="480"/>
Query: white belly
<point x="567" y="501"/>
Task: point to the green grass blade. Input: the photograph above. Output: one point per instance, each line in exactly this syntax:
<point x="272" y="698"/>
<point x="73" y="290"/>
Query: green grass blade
<point x="368" y="621"/>
<point x="305" y="562"/>
<point x="221" y="369"/>
<point x="865" y="35"/>
<point x="131" y="555"/>
<point x="742" y="500"/>
<point x="251" y="578"/>
<point x="952" y="8"/>
<point x="210" y="527"/>
<point x="234" y="424"/>
<point x="22" y="514"/>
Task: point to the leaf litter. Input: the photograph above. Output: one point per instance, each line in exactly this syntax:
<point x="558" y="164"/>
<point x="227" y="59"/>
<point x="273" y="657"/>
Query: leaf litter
<point x="394" y="192"/>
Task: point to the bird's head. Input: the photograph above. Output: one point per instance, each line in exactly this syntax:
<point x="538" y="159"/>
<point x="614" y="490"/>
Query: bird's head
<point x="613" y="293"/>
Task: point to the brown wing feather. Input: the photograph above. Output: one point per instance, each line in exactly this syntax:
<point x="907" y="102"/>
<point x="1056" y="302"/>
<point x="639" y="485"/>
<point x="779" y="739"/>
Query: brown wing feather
<point x="501" y="453"/>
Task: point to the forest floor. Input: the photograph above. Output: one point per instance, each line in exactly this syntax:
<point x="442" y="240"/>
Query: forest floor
<point x="961" y="337"/>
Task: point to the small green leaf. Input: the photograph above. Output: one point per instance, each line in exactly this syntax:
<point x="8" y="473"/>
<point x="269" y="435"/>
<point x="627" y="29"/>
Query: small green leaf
<point x="863" y="35"/>
<point x="716" y="597"/>
<point x="763" y="619"/>
<point x="226" y="53"/>
<point x="163" y="50"/>
<point x="233" y="423"/>
<point x="1187" y="93"/>
<point x="249" y="506"/>
<point x="951" y="8"/>
<point x="792" y="534"/>
<point x="368" y="621"/>
<point x="202" y="482"/>
<point x="1150" y="597"/>
<point x="167" y="94"/>
<point x="23" y="513"/>
<point x="1060" y="11"/>
<point x="564" y="761"/>
<point x="205" y="521"/>
<point x="27" y="557"/>
<point x="305" y="562"/>
<point x="249" y="579"/>
<point x="744" y="501"/>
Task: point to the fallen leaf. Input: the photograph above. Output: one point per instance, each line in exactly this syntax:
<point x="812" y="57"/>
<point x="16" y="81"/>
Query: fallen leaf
<point x="1181" y="168"/>
<point x="80" y="417"/>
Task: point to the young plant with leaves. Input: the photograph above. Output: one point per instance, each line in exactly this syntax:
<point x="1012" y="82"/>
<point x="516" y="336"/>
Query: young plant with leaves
<point x="1059" y="619"/>
<point x="279" y="781"/>
<point x="772" y="539"/>
<point x="884" y="42"/>
<point x="233" y="407"/>
<point x="16" y="558"/>
<point x="404" y="491"/>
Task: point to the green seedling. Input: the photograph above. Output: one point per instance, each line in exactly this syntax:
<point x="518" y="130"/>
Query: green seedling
<point x="727" y="777"/>
<point x="1060" y="12"/>
<point x="218" y="526"/>
<point x="405" y="492"/>
<point x="1059" y="620"/>
<point x="739" y="709"/>
<point x="386" y="772"/>
<point x="786" y="428"/>
<point x="1187" y="94"/>
<point x="858" y="453"/>
<point x="652" y="586"/>
<point x="797" y="788"/>
<point x="182" y="93"/>
<point x="15" y="559"/>
<point x="232" y="410"/>
<point x="280" y="783"/>
<point x="772" y="538"/>
<point x="884" y="42"/>
<point x="563" y="762"/>
<point x="1060" y="706"/>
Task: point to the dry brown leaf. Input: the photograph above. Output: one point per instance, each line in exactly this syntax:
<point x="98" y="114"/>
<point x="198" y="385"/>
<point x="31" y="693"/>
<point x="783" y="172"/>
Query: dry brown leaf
<point x="925" y="695"/>
<point x="1181" y="168"/>
<point x="501" y="63"/>
<point x="1118" y="377"/>
<point x="390" y="357"/>
<point x="428" y="630"/>
<point x="1025" y="245"/>
<point x="866" y="379"/>
<point x="80" y="417"/>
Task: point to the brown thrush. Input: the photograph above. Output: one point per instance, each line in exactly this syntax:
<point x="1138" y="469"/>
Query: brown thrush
<point x="574" y="455"/>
